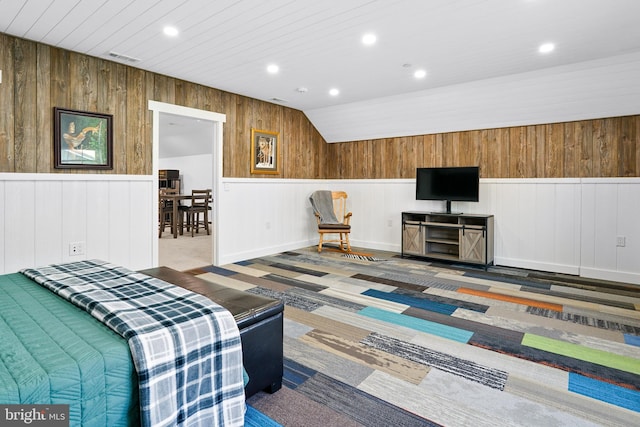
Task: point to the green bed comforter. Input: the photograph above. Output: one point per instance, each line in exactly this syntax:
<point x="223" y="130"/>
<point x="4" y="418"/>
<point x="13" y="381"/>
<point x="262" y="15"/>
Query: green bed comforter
<point x="52" y="352"/>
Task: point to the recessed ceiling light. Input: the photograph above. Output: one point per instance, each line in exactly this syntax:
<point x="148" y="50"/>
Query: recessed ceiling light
<point x="420" y="74"/>
<point x="334" y="92"/>
<point x="170" y="31"/>
<point x="273" y="68"/>
<point x="546" y="47"/>
<point x="369" y="39"/>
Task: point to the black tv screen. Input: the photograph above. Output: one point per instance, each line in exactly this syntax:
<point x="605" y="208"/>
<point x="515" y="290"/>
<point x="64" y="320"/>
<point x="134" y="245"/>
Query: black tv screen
<point x="460" y="184"/>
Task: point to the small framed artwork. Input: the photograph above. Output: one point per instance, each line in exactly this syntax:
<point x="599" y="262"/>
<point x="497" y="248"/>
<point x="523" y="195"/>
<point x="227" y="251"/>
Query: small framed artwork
<point x="265" y="151"/>
<point x="82" y="140"/>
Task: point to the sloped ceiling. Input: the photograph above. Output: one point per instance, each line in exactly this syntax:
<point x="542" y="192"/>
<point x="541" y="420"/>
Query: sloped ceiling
<point x="227" y="44"/>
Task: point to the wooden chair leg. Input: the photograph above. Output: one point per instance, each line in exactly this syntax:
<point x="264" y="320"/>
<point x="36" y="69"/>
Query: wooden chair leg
<point x="320" y="243"/>
<point x="163" y="223"/>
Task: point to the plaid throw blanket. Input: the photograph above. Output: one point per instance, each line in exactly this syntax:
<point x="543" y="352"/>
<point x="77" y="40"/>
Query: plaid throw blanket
<point x="186" y="348"/>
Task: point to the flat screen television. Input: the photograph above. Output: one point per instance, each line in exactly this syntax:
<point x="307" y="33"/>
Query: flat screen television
<point x="451" y="184"/>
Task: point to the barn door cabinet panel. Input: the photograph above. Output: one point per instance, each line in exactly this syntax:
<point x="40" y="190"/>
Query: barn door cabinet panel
<point x="449" y="237"/>
<point x="412" y="241"/>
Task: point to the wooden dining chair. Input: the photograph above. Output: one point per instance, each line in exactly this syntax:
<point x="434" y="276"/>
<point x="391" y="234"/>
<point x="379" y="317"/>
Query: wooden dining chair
<point x="165" y="212"/>
<point x="200" y="200"/>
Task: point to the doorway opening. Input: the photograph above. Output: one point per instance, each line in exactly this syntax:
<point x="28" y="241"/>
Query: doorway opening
<point x="191" y="140"/>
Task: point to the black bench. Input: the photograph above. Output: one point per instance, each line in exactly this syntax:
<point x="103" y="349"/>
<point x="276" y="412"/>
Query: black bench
<point x="259" y="320"/>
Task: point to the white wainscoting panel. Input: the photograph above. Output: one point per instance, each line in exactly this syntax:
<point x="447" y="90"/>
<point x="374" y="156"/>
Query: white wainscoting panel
<point x="545" y="224"/>
<point x="559" y="225"/>
<point x="537" y="223"/>
<point x="41" y="214"/>
<point x="264" y="216"/>
<point x="611" y="208"/>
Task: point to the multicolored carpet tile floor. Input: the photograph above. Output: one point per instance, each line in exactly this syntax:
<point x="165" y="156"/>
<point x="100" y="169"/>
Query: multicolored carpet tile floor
<point x="382" y="340"/>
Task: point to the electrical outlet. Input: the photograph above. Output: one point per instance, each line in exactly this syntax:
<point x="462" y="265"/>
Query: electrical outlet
<point x="76" y="248"/>
<point x="389" y="223"/>
<point x="621" y="241"/>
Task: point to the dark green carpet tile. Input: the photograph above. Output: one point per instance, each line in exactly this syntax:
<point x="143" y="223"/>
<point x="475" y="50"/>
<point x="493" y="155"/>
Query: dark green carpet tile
<point x="390" y="282"/>
<point x="469" y="370"/>
<point x="358" y="405"/>
<point x="289" y="299"/>
<point x="585" y="298"/>
<point x="294" y="282"/>
<point x="568" y="364"/>
<point x="585" y="320"/>
<point x="480" y="308"/>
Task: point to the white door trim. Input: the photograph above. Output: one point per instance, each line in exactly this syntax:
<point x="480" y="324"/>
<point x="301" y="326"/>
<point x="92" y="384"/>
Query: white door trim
<point x="218" y="120"/>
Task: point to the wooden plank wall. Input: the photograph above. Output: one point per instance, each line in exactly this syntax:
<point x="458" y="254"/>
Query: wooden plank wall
<point x="608" y="147"/>
<point x="38" y="77"/>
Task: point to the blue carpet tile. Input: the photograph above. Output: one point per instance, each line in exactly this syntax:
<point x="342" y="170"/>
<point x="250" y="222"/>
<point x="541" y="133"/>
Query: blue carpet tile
<point x="606" y="392"/>
<point x="255" y="418"/>
<point x="413" y="302"/>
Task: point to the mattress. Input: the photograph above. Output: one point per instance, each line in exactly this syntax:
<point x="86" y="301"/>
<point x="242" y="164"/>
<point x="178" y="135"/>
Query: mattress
<point x="52" y="352"/>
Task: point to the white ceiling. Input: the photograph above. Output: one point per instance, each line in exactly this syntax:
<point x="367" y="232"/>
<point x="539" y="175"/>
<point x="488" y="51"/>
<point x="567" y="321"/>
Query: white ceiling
<point x="227" y="44"/>
<point x="182" y="136"/>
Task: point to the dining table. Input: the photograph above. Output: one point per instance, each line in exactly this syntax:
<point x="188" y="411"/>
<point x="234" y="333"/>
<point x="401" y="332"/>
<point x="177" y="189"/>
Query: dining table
<point x="175" y="199"/>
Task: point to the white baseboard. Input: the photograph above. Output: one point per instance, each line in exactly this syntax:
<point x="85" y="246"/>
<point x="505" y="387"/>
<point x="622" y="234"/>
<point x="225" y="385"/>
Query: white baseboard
<point x="264" y="251"/>
<point x="616" y="276"/>
<point x="376" y="245"/>
<point x="536" y="265"/>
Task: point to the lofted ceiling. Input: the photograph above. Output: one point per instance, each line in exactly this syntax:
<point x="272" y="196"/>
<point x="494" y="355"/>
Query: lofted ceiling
<point x="228" y="44"/>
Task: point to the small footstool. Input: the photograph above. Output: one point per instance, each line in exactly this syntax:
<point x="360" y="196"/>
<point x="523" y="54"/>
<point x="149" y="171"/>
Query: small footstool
<point x="259" y="320"/>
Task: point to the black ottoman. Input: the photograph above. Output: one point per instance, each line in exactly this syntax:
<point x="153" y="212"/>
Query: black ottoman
<point x="259" y="320"/>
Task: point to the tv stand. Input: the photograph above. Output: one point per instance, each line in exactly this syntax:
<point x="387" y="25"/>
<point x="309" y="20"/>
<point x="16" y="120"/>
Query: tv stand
<point x="448" y="211"/>
<point x="449" y="237"/>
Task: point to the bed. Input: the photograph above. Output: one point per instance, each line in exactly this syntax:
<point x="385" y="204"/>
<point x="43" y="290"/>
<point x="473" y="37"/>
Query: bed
<point x="53" y="351"/>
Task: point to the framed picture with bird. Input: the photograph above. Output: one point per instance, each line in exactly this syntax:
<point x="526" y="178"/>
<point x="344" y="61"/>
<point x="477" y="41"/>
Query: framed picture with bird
<point x="82" y="140"/>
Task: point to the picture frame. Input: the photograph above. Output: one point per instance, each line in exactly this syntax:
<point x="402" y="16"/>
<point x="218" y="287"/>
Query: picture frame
<point x="82" y="139"/>
<point x="265" y="152"/>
